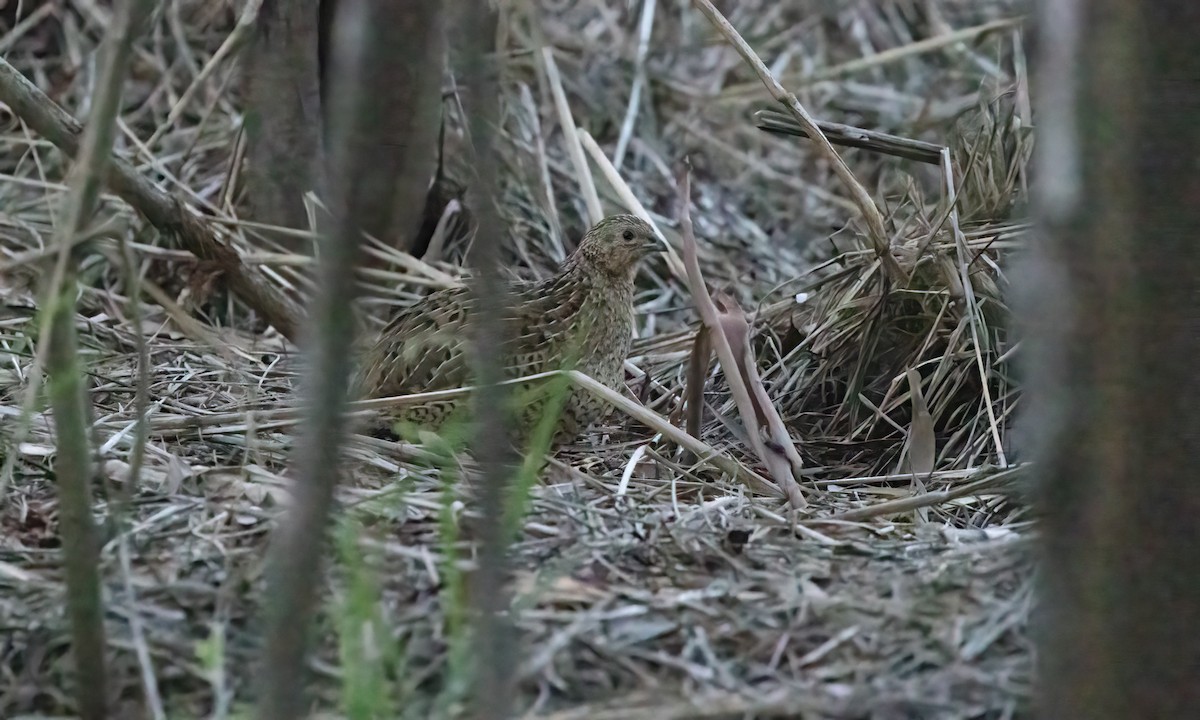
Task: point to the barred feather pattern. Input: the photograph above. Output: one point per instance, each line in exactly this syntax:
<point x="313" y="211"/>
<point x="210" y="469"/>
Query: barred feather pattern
<point x="581" y="316"/>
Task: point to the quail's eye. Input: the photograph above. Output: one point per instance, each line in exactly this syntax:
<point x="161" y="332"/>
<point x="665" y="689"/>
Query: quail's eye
<point x="628" y="234"/>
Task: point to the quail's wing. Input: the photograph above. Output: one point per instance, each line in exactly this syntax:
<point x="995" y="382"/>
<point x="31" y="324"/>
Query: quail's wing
<point x="542" y="327"/>
<point x="424" y="347"/>
<point x="421" y="348"/>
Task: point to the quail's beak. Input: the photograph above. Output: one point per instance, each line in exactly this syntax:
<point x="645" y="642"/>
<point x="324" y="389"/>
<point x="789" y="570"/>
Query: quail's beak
<point x="652" y="244"/>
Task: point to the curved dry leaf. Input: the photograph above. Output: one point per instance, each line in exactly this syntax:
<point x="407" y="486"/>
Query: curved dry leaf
<point x="922" y="445"/>
<point x="780" y="454"/>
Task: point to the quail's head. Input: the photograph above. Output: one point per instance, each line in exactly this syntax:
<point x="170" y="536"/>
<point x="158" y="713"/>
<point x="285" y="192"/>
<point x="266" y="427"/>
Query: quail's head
<point x="616" y="244"/>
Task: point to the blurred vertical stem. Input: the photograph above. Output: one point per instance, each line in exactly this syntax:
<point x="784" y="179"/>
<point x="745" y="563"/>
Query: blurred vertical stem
<point x="1111" y="305"/>
<point x="363" y="40"/>
<point x="73" y="468"/>
<point x="494" y="656"/>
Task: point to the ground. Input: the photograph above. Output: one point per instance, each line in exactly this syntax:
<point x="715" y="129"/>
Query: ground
<point x="646" y="584"/>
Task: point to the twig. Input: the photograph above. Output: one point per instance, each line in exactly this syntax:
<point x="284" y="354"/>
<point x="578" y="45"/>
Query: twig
<point x="645" y="27"/>
<point x="876" y="230"/>
<point x="570" y="135"/>
<point x="733" y="319"/>
<point x="774" y="121"/>
<point x="539" y="139"/>
<point x="138" y="630"/>
<point x="652" y="420"/>
<point x="137" y="456"/>
<point x="165" y="212"/>
<point x="887" y="56"/>
<point x="630" y="468"/>
<point x="26" y="24"/>
<point x="972" y="308"/>
<point x="141" y="402"/>
<point x="240" y="33"/>
<point x="893" y="507"/>
<point x="697" y="372"/>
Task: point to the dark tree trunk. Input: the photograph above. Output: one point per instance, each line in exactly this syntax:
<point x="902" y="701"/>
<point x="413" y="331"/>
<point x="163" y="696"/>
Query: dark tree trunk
<point x="288" y="83"/>
<point x="402" y="113"/>
<point x="285" y="156"/>
<point x="1113" y="312"/>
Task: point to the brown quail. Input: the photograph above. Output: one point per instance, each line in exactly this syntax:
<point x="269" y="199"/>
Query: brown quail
<point x="583" y="314"/>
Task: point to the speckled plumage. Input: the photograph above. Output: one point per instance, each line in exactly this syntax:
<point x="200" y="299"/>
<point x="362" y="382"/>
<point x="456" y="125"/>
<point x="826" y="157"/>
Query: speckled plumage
<point x="584" y="312"/>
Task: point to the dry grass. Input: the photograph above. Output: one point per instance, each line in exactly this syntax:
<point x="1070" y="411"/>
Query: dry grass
<point x="650" y="584"/>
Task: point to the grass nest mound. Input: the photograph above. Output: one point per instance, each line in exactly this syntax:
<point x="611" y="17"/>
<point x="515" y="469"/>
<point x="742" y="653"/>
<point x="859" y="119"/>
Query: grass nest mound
<point x="848" y="341"/>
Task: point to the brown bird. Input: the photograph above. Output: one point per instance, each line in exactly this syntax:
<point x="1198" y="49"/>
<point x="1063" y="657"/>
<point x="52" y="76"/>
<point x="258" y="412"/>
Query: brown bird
<point x="582" y="316"/>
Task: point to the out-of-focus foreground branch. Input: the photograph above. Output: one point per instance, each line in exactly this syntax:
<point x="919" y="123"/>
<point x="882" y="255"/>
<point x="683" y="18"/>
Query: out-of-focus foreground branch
<point x="362" y="41"/>
<point x="494" y="647"/>
<point x="1112" y="307"/>
<point x="74" y="468"/>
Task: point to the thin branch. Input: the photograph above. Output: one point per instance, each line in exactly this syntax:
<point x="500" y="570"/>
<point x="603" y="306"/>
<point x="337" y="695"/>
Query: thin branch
<point x="971" y="304"/>
<point x="587" y="187"/>
<point x="774" y="121"/>
<point x="703" y="450"/>
<point x="645" y="27"/>
<point x="990" y="481"/>
<point x="891" y="55"/>
<point x="876" y="230"/>
<point x="699" y="361"/>
<point x="674" y="263"/>
<point x="239" y="35"/>
<point x="165" y="212"/>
